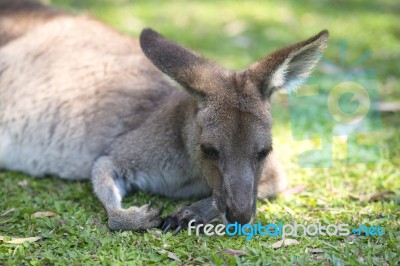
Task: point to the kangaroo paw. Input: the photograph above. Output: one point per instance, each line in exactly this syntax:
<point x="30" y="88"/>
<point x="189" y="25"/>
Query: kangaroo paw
<point x="180" y="220"/>
<point x="134" y="218"/>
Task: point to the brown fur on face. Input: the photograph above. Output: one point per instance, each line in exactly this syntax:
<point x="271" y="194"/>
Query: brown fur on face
<point x="236" y="123"/>
<point x="230" y="135"/>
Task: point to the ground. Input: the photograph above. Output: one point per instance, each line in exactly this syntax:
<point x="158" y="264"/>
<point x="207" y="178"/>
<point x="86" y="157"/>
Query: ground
<point x="364" y="44"/>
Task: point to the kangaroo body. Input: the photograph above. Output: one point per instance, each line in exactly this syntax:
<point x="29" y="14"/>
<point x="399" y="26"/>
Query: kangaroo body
<point x="66" y="98"/>
<point x="79" y="100"/>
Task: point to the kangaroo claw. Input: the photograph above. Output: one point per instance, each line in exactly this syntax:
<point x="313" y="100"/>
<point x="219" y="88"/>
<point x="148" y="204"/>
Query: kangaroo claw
<point x="176" y="231"/>
<point x="169" y="223"/>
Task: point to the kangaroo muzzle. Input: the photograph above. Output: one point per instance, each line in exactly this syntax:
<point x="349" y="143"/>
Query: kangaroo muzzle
<point x="240" y="198"/>
<point x="241" y="216"/>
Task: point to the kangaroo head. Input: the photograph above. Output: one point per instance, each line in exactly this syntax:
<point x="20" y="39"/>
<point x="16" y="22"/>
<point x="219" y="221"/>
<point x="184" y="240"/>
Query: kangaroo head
<point x="230" y="135"/>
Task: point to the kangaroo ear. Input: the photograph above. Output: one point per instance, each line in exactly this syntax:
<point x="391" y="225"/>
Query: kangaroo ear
<point x="187" y="68"/>
<point x="288" y="67"/>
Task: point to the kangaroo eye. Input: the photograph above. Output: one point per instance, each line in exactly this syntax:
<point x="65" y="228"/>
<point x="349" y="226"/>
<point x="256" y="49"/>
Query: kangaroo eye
<point x="210" y="151"/>
<point x="263" y="153"/>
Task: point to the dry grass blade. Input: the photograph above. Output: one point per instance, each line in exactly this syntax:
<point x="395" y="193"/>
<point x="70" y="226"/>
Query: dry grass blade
<point x="289" y="210"/>
<point x="154" y="232"/>
<point x="8" y="212"/>
<point x="170" y="255"/>
<point x="19" y="241"/>
<point x="45" y="214"/>
<point x="234" y="252"/>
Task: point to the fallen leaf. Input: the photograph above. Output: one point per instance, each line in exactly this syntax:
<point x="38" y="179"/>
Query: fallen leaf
<point x="21" y="240"/>
<point x="234" y="252"/>
<point x="8" y="212"/>
<point x="170" y="255"/>
<point x="285" y="242"/>
<point x="45" y="214"/>
<point x="23" y="183"/>
<point x="294" y="190"/>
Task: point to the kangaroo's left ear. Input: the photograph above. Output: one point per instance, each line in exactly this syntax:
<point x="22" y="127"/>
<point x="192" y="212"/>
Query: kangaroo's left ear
<point x="288" y="67"/>
<point x="192" y="71"/>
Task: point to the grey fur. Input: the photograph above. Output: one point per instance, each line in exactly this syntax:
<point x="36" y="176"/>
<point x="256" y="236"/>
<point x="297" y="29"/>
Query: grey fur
<point x="79" y="100"/>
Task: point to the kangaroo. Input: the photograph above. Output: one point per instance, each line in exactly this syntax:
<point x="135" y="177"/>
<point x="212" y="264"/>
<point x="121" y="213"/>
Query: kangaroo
<point x="79" y="100"/>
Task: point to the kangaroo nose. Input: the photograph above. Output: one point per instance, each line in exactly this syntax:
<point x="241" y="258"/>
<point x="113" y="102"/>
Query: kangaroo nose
<point x="237" y="216"/>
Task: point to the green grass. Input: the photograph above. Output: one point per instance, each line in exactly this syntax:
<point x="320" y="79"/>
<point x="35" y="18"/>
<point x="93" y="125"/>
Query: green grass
<point x="236" y="34"/>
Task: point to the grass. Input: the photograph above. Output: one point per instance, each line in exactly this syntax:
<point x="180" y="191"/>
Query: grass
<point x="236" y="34"/>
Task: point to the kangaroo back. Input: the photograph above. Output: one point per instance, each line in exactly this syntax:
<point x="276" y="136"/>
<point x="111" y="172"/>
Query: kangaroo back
<point x="69" y="85"/>
<point x="20" y="16"/>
